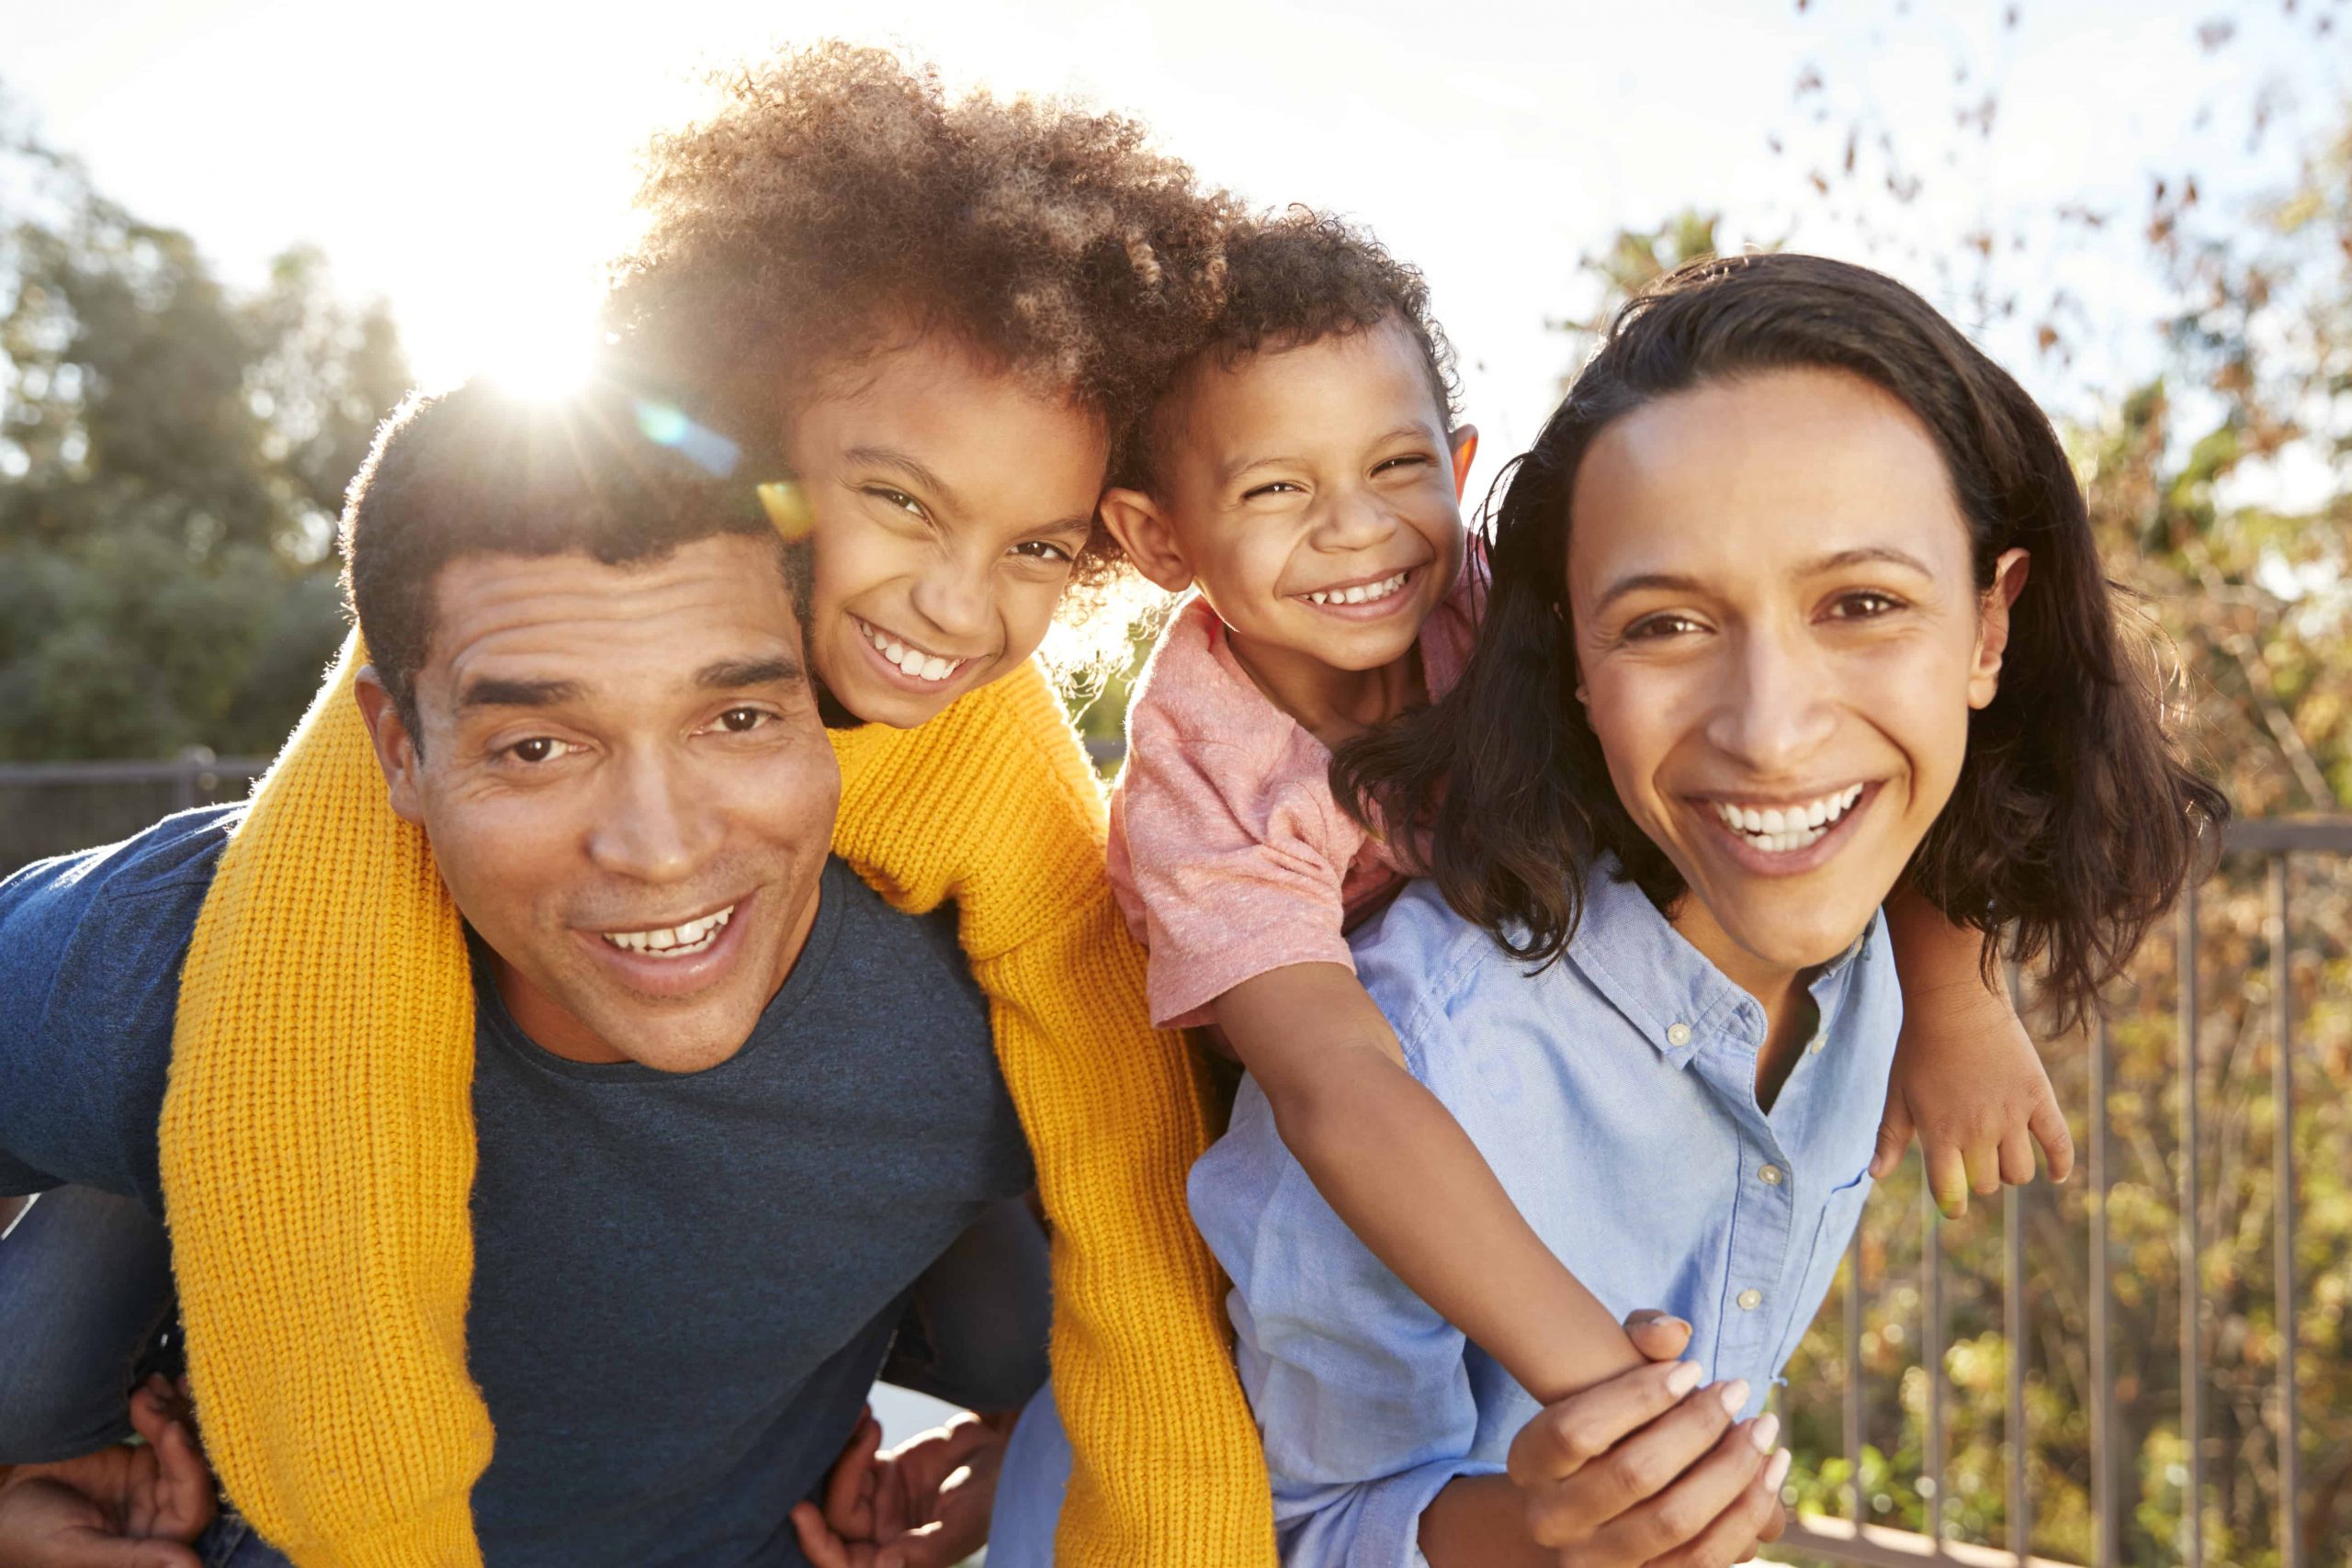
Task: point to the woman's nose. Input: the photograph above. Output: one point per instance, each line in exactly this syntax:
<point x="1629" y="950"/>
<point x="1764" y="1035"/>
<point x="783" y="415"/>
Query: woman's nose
<point x="1774" y="709"/>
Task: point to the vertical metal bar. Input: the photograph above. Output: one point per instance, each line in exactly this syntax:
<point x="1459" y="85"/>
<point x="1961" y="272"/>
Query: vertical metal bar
<point x="2192" y="1360"/>
<point x="2282" y="1180"/>
<point x="2105" y="1543"/>
<point x="1857" y="1505"/>
<point x="184" y="772"/>
<point x="2013" y="1328"/>
<point x="1931" y="1346"/>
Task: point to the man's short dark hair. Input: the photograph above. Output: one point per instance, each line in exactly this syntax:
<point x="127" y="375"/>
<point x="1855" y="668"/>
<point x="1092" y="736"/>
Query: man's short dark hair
<point x="623" y="476"/>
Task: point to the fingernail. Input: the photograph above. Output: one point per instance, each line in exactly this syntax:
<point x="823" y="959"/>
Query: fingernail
<point x="1681" y="1323"/>
<point x="1765" y="1433"/>
<point x="1735" y="1394"/>
<point x="1778" y="1471"/>
<point x="1682" y="1379"/>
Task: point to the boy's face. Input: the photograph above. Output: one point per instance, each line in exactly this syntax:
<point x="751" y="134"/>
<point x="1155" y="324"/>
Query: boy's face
<point x="1313" y="494"/>
<point x="948" y="503"/>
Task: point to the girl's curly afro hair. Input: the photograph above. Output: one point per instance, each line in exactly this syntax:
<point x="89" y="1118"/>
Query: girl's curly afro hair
<point x="838" y="202"/>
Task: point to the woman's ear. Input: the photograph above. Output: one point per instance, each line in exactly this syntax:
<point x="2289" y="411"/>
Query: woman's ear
<point x="1143" y="532"/>
<point x="1992" y="626"/>
<point x="1465" y="444"/>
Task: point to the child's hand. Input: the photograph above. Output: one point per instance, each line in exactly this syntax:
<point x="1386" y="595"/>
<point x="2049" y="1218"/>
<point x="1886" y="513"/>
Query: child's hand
<point x="1967" y="1078"/>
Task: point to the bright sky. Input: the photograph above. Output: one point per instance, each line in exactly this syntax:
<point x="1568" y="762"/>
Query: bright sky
<point x="472" y="159"/>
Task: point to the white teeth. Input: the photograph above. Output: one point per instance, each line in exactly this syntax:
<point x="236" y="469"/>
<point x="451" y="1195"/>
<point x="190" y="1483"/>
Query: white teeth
<point x="911" y="661"/>
<point x="1361" y="593"/>
<point x="674" y="942"/>
<point x="1776" y="829"/>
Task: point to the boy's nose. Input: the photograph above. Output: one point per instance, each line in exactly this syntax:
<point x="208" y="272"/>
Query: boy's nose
<point x="1351" y="521"/>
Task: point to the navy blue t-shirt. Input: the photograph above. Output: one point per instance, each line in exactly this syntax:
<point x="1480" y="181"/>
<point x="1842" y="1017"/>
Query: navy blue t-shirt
<point x="683" y="1284"/>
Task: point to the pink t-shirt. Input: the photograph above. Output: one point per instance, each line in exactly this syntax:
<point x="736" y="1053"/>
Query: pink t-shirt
<point x="1228" y="854"/>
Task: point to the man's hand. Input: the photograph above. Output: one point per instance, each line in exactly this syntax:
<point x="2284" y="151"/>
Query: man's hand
<point x="925" y="1504"/>
<point x="1646" y="1469"/>
<point x="122" y="1507"/>
<point x="1969" y="1081"/>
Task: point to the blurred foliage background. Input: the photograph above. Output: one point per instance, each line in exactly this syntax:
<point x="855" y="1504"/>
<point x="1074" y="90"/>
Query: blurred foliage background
<point x="172" y="452"/>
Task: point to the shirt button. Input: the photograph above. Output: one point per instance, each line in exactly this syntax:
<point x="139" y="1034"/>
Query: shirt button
<point x="1818" y="1042"/>
<point x="1750" y="1300"/>
<point x="1677" y="1034"/>
<point x="1769" y="1176"/>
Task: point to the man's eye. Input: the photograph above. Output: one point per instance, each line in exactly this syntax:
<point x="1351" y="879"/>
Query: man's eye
<point x="1866" y="605"/>
<point x="540" y="748"/>
<point x="742" y="721"/>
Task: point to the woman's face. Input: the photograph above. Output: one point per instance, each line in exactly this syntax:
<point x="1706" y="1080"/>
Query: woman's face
<point x="1778" y="641"/>
<point x="948" y="501"/>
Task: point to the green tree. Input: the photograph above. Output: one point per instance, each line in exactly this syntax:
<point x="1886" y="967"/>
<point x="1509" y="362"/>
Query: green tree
<point x="172" y="453"/>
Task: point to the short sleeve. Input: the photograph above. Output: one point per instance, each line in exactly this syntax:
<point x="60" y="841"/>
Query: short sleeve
<point x="1228" y="857"/>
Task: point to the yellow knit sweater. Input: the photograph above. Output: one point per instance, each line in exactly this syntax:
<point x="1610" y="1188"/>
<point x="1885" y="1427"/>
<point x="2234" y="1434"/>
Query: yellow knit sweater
<point x="318" y="1144"/>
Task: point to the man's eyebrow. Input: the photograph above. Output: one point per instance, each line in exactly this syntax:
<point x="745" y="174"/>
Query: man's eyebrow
<point x="735" y="674"/>
<point x="495" y="692"/>
<point x="913" y="468"/>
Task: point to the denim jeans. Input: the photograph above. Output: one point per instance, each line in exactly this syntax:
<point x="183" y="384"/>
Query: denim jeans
<point x="85" y="1284"/>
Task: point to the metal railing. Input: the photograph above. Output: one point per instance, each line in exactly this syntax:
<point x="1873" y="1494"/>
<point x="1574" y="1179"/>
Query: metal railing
<point x="50" y="808"/>
<point x="1856" y="1539"/>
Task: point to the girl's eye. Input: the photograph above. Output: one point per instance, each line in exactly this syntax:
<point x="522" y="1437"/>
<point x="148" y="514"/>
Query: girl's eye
<point x="539" y="749"/>
<point x="1042" y="550"/>
<point x="897" y="498"/>
<point x="1654" y="628"/>
<point x="1867" y="604"/>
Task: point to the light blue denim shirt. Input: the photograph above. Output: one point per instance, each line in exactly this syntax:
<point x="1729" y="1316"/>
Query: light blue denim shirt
<point x="1614" y="1095"/>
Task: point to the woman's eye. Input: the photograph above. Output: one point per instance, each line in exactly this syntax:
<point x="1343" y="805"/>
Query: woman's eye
<point x="1866" y="605"/>
<point x="539" y="749"/>
<point x="1042" y="550"/>
<point x="1653" y="629"/>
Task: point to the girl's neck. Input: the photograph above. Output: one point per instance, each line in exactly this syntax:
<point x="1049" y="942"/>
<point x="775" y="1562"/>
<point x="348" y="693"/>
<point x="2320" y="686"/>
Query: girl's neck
<point x="1332" y="705"/>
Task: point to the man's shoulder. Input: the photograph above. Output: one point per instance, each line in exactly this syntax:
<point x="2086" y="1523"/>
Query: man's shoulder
<point x="163" y="875"/>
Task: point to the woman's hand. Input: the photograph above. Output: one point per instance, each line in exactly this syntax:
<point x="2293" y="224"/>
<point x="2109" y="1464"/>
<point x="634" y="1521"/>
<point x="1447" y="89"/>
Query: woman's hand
<point x="1644" y="1469"/>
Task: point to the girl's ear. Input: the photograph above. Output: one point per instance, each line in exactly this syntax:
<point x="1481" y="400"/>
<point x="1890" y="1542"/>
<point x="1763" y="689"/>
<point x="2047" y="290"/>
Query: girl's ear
<point x="1142" y="530"/>
<point x="1465" y="443"/>
<point x="1993" y="626"/>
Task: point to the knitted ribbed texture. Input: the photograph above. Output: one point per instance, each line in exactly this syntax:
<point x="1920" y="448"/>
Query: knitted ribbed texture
<point x="317" y="1150"/>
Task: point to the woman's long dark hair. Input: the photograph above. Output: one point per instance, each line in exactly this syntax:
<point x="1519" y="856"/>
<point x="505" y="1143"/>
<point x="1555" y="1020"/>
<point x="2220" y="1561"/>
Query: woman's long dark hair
<point x="2074" y="822"/>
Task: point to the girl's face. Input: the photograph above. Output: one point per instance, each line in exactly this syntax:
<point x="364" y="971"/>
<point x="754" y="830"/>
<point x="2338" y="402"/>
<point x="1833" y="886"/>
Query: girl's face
<point x="947" y="502"/>
<point x="1779" y="640"/>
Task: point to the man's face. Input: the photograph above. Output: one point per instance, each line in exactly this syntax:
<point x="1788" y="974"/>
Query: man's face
<point x="948" y="501"/>
<point x="1779" y="641"/>
<point x="627" y="787"/>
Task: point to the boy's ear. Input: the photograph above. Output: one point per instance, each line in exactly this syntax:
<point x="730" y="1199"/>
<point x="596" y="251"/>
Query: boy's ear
<point x="1465" y="443"/>
<point x="396" y="750"/>
<point x="1993" y="626"/>
<point x="1142" y="530"/>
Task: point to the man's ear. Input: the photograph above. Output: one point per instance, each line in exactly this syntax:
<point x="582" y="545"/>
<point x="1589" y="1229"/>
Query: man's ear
<point x="396" y="749"/>
<point x="1142" y="530"/>
<point x="1465" y="443"/>
<point x="1993" y="626"/>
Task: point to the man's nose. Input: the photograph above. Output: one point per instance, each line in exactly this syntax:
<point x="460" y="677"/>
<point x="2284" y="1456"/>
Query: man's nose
<point x="655" y="825"/>
<point x="1773" y="710"/>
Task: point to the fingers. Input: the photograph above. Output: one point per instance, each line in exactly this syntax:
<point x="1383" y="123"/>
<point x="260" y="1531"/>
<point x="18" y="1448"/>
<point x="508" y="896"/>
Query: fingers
<point x="2017" y="1157"/>
<point x="186" y="1498"/>
<point x="1754" y="1517"/>
<point x="1564" y="1437"/>
<point x="818" y="1542"/>
<point x="1627" y="1474"/>
<point x="932" y="1546"/>
<point x="1947" y="1179"/>
<point x="1680" y="1513"/>
<point x="1895" y="1131"/>
<point x="2048" y="1125"/>
<point x="849" y="1489"/>
<point x="1656" y="1334"/>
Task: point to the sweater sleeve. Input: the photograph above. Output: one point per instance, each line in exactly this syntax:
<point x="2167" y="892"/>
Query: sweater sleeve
<point x="992" y="805"/>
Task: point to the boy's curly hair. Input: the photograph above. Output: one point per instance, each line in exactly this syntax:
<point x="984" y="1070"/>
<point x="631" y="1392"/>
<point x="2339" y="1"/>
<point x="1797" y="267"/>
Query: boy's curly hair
<point x="1294" y="277"/>
<point x="838" y="202"/>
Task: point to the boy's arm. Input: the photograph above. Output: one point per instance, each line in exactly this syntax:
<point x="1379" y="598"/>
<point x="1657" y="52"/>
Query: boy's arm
<point x="1395" y="1165"/>
<point x="1966" y="1076"/>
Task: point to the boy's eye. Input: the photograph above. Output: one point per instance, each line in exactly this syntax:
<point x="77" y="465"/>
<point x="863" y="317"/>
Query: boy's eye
<point x="1279" y="487"/>
<point x="1867" y="604"/>
<point x="539" y="749"/>
<point x="1411" y="460"/>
